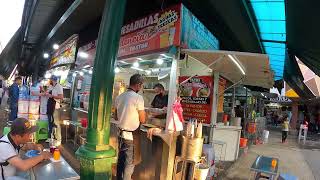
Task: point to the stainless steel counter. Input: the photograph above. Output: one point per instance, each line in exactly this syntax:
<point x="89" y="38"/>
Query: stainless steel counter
<point x="48" y="170"/>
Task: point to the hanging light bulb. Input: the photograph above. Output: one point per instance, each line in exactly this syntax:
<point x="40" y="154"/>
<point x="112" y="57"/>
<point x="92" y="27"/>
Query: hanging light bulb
<point x="81" y="73"/>
<point x="55" y="46"/>
<point x="47" y="75"/>
<point x="136" y="64"/>
<point x="117" y="70"/>
<point x="159" y="61"/>
<point x="45" y="55"/>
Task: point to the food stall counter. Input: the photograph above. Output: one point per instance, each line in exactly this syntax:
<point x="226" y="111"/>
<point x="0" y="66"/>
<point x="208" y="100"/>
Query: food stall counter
<point x="230" y="136"/>
<point x="54" y="170"/>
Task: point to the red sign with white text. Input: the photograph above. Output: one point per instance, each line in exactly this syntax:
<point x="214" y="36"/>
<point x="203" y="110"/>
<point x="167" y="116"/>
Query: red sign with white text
<point x="156" y="31"/>
<point x="196" y="94"/>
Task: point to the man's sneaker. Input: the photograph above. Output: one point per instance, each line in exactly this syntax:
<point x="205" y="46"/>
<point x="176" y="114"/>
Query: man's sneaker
<point x="47" y="141"/>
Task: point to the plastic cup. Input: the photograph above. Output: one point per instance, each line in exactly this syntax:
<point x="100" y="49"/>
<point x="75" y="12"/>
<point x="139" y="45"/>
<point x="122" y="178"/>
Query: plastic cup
<point x="56" y="154"/>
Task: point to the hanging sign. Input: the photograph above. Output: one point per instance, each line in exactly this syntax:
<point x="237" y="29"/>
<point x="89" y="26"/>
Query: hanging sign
<point x="196" y="96"/>
<point x="194" y="35"/>
<point x="66" y="52"/>
<point x="157" y="31"/>
<point x="86" y="55"/>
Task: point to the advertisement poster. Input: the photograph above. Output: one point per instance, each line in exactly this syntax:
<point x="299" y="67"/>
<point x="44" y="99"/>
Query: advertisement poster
<point x="194" y="35"/>
<point x="156" y="31"/>
<point x="196" y="96"/>
<point x="66" y="52"/>
<point x="86" y="55"/>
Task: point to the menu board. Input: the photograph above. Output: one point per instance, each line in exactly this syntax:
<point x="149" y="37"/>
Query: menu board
<point x="156" y="31"/>
<point x="66" y="52"/>
<point x="196" y="94"/>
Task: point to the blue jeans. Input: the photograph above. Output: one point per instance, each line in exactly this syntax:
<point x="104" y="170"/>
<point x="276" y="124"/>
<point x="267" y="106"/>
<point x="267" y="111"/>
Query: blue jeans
<point x="125" y="166"/>
<point x="50" y="124"/>
<point x="13" y="112"/>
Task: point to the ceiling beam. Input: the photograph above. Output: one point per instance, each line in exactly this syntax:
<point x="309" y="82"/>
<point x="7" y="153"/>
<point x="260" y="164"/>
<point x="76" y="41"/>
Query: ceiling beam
<point x="63" y="18"/>
<point x="253" y="23"/>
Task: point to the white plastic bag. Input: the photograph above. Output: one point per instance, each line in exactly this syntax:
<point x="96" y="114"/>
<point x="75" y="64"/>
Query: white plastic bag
<point x="176" y="118"/>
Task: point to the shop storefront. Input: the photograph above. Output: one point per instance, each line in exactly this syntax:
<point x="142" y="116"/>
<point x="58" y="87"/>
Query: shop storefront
<point x="173" y="48"/>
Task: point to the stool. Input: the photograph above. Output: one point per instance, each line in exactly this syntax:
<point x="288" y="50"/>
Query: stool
<point x="6" y="130"/>
<point x="42" y="132"/>
<point x="220" y="156"/>
<point x="305" y="132"/>
<point x="287" y="177"/>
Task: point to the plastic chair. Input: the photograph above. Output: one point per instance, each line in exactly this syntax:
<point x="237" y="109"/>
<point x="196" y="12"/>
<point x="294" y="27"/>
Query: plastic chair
<point x="42" y="132"/>
<point x="6" y="130"/>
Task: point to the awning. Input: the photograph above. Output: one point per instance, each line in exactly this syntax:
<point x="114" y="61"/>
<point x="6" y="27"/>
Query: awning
<point x="250" y="68"/>
<point x="9" y="57"/>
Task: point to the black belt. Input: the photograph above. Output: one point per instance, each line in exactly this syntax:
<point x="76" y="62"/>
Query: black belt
<point x="124" y="130"/>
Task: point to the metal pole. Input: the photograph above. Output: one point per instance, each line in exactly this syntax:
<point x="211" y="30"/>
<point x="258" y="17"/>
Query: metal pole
<point x="214" y="107"/>
<point x="245" y="115"/>
<point x="233" y="113"/>
<point x="97" y="156"/>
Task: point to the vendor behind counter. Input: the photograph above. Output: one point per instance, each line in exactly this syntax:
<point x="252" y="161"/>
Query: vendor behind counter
<point x="160" y="100"/>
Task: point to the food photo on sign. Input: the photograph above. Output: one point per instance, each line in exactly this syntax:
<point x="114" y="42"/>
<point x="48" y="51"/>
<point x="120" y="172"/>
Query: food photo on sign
<point x="196" y="95"/>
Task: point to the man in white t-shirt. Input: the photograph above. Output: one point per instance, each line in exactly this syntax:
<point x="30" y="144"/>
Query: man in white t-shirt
<point x="20" y="134"/>
<point x="55" y="96"/>
<point x="130" y="113"/>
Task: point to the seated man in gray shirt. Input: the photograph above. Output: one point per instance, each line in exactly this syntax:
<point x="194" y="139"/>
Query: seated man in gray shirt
<point x="18" y="138"/>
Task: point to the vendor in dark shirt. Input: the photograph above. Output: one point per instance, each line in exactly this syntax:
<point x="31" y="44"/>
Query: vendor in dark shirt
<point x="161" y="99"/>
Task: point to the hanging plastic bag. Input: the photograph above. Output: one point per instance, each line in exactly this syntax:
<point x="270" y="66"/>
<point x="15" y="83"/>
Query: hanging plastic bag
<point x="176" y="118"/>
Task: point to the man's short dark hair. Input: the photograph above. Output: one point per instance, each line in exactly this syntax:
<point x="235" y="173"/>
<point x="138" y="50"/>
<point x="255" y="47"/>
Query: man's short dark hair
<point x="136" y="79"/>
<point x="158" y="85"/>
<point x="17" y="78"/>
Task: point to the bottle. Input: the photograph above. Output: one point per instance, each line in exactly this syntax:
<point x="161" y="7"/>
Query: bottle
<point x="195" y="124"/>
<point x="273" y="163"/>
<point x="188" y="129"/>
<point x="192" y="129"/>
<point x="199" y="130"/>
<point x="56" y="154"/>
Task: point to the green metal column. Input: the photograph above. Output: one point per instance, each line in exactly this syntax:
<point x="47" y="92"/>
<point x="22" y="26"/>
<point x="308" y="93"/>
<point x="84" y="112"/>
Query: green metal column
<point x="97" y="156"/>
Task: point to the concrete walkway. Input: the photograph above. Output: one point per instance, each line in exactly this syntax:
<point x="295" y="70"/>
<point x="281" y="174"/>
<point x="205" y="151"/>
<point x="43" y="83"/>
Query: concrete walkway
<point x="294" y="159"/>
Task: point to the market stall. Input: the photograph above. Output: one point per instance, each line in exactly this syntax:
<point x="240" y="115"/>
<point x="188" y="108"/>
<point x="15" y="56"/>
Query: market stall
<point x="157" y="47"/>
<point x="239" y="68"/>
<point x="60" y="64"/>
<point x="148" y="46"/>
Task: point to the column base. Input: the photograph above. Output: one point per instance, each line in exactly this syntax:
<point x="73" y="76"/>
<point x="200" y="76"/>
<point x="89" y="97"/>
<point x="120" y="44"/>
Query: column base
<point x="96" y="165"/>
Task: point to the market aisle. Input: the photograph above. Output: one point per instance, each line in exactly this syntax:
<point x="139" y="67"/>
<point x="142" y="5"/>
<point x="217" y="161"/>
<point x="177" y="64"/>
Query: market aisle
<point x="293" y="159"/>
